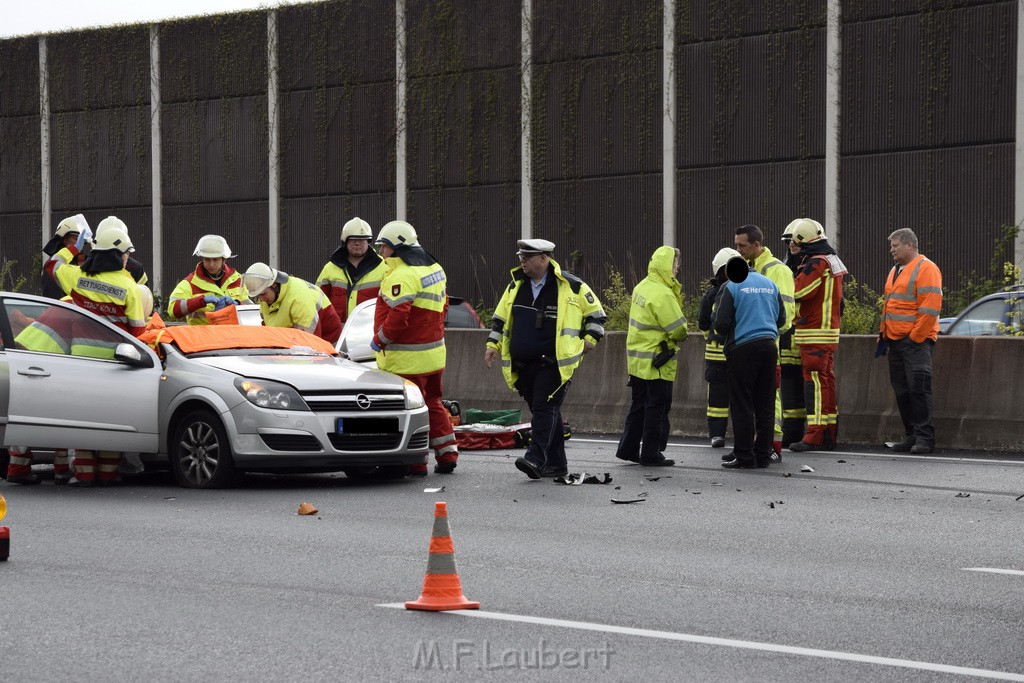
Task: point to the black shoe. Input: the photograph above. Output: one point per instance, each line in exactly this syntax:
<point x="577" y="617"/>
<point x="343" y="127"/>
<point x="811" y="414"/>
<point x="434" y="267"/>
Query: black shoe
<point x="24" y="479"/>
<point x="921" y="448"/>
<point x="633" y="459"/>
<point x="718" y="442"/>
<point x="774" y="458"/>
<point x="728" y="456"/>
<point x="552" y="472"/>
<point x="904" y="446"/>
<point x="444" y="467"/>
<point x="802" y="447"/>
<point x="737" y="464"/>
<point x="528" y="468"/>
<point x="664" y="462"/>
<point x="763" y="463"/>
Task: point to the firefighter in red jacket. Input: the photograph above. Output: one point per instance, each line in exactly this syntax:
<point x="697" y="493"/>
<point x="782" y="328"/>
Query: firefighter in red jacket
<point x="354" y="271"/>
<point x="409" y="331"/>
<point x="211" y="286"/>
<point x="819" y="295"/>
<point x="910" y="326"/>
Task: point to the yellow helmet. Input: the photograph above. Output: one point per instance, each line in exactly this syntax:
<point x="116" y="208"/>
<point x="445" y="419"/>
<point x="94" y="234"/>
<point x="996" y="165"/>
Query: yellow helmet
<point x="397" y="233"/>
<point x="356" y="229"/>
<point x="804" y="230"/>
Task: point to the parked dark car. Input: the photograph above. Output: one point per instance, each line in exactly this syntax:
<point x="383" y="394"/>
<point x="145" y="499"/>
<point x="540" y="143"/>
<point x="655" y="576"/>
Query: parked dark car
<point x="1001" y="313"/>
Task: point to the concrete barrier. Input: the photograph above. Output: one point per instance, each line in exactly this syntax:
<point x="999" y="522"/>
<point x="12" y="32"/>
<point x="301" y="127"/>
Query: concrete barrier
<point x="977" y="387"/>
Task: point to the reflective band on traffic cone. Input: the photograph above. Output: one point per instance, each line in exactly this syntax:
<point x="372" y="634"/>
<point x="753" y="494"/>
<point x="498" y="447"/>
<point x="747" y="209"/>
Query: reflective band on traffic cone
<point x="442" y="589"/>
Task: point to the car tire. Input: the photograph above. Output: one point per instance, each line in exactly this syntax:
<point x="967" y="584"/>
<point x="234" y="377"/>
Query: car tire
<point x="201" y="453"/>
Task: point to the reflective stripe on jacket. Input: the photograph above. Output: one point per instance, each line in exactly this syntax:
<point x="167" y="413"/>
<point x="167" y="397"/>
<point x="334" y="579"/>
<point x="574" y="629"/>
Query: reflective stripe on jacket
<point x="655" y="316"/>
<point x="579" y="314"/>
<point x="344" y="293"/>
<point x="409" y="318"/>
<point x="297" y="305"/>
<point x="819" y="292"/>
<point x="186" y="301"/>
<point x="913" y="301"/>
<point x="113" y="296"/>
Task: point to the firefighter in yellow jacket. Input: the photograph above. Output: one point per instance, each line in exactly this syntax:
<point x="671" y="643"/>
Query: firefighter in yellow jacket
<point x="910" y="326"/>
<point x="544" y="323"/>
<point x="210" y="287"/>
<point x="408" y="328"/>
<point x="289" y="301"/>
<point x="656" y="328"/>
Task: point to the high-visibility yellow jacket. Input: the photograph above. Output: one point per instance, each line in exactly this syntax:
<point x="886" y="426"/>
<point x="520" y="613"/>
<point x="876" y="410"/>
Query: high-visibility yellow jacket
<point x="579" y="314"/>
<point x="655" y="316"/>
<point x="112" y="295"/>
<point x="347" y="290"/>
<point x="186" y="301"/>
<point x="781" y="274"/>
<point x="51" y="332"/>
<point x="409" y="318"/>
<point x="297" y="305"/>
<point x="913" y="301"/>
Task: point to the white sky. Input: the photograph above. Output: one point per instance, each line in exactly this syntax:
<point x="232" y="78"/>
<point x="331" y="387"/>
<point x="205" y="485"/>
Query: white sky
<point x="28" y="17"/>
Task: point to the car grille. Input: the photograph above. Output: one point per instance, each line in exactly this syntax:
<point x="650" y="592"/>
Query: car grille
<point x="418" y="441"/>
<point x="340" y="402"/>
<point x="291" y="442"/>
<point x="365" y="442"/>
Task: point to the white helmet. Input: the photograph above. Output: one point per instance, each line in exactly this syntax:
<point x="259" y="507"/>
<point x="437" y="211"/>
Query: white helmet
<point x="807" y="230"/>
<point x="212" y="246"/>
<point x="397" y="233"/>
<point x="356" y="229"/>
<point x="108" y="223"/>
<point x="260" y="276"/>
<point x="146" y="294"/>
<point x="723" y="256"/>
<point x="71" y="224"/>
<point x="811" y="225"/>
<point x="112" y="239"/>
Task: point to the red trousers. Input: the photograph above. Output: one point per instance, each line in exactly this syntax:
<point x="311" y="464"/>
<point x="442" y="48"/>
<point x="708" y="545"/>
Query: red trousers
<point x="442" y="435"/>
<point x="820" y="394"/>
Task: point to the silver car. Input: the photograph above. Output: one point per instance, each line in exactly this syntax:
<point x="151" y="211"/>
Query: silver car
<point x="211" y="413"/>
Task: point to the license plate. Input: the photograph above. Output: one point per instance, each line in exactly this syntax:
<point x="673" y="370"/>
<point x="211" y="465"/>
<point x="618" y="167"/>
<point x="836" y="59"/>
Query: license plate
<point x="367" y="425"/>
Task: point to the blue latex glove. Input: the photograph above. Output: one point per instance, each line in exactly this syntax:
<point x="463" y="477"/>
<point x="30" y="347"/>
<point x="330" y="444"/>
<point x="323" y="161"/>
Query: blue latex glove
<point x="211" y="299"/>
<point x="84" y="236"/>
<point x="224" y="302"/>
<point x="373" y="345"/>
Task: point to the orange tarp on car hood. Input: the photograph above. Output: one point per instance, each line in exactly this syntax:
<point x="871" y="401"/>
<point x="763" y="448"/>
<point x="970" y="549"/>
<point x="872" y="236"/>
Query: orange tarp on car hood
<point x="195" y="338"/>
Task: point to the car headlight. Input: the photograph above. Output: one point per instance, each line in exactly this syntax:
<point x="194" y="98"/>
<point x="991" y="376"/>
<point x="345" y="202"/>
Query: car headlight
<point x="413" y="396"/>
<point x="272" y="395"/>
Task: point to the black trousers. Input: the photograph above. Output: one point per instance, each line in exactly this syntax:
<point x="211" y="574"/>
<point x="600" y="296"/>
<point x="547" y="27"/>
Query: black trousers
<point x="645" y="434"/>
<point x="794" y="415"/>
<point x="910" y="373"/>
<point x="752" y="399"/>
<point x="538" y="384"/>
<point x="717" y="375"/>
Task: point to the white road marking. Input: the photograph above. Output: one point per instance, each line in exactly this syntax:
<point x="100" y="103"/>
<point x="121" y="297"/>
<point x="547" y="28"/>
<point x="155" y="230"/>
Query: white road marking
<point x="728" y="642"/>
<point x="887" y="456"/>
<point x="992" y="570"/>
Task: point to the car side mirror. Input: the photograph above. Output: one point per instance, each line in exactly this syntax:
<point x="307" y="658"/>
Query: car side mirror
<point x="131" y="355"/>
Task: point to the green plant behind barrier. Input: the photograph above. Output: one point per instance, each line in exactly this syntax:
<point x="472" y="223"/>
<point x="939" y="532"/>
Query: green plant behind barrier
<point x="862" y="308"/>
<point x="1002" y="273"/>
<point x="7" y="275"/>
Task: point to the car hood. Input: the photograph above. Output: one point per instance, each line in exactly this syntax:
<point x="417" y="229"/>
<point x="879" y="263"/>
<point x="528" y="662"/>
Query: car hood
<point x="306" y="373"/>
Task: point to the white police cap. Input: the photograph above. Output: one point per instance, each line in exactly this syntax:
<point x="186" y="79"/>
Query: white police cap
<point x="530" y="247"/>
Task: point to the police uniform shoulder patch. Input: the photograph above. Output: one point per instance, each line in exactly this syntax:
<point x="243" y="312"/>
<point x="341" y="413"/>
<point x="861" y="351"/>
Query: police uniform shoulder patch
<point x="396" y="290"/>
<point x="590" y="298"/>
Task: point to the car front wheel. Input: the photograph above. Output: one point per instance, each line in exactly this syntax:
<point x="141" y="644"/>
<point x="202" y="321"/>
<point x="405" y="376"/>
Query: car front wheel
<point x="200" y="453"/>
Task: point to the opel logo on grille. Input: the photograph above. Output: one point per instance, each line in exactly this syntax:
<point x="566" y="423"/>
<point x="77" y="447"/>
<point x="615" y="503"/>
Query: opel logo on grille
<point x="363" y="401"/>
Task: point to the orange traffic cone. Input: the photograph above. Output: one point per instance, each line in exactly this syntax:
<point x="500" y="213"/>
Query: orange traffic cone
<point x="442" y="589"/>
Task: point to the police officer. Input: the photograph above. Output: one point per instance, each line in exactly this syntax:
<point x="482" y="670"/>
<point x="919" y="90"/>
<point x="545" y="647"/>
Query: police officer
<point x="749" y="314"/>
<point x="656" y="328"/>
<point x="211" y="286"/>
<point x="544" y="323"/>
<point x="289" y="301"/>
<point x="409" y="331"/>
<point x="354" y="271"/>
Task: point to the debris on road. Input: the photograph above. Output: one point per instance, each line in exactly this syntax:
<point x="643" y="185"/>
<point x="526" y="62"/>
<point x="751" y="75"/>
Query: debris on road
<point x="962" y="495"/>
<point x="788" y="474"/>
<point x="626" y="501"/>
<point x="434" y="490"/>
<point x="306" y="509"/>
<point x="577" y="478"/>
<point x="1019" y="497"/>
<point x="840" y="461"/>
<point x="806" y="468"/>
